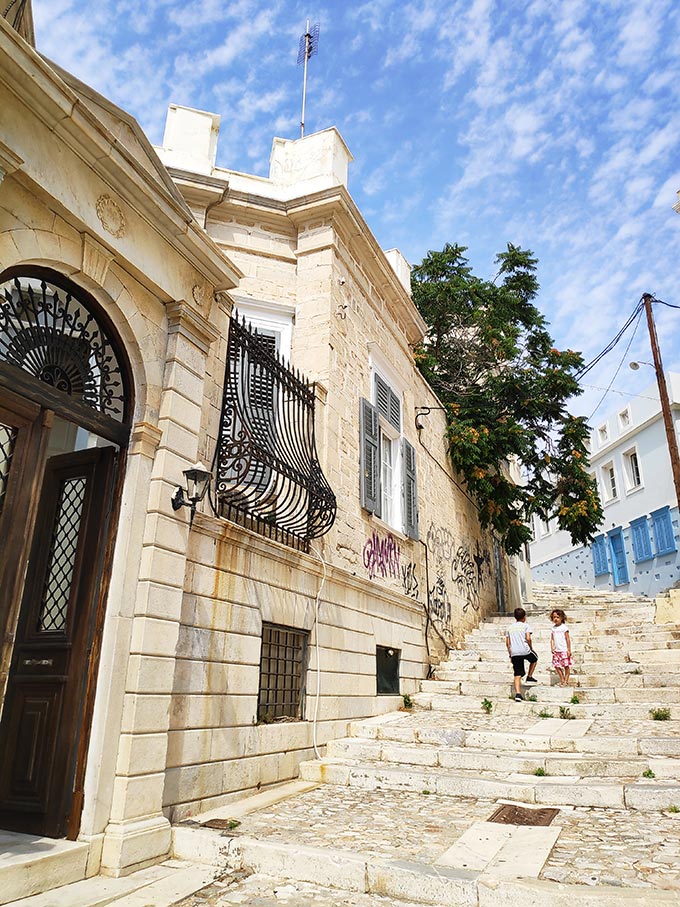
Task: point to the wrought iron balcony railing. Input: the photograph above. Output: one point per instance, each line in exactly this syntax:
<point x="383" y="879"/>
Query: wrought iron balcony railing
<point x="267" y="470"/>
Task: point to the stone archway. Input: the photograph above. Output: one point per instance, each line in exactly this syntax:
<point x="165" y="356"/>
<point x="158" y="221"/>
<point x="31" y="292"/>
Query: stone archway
<point x="65" y="410"/>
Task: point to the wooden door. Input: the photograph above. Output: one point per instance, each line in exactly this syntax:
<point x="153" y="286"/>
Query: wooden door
<point x="42" y="714"/>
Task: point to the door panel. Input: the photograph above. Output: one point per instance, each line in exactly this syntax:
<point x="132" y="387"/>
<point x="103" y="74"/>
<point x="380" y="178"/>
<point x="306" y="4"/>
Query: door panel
<point x="41" y="724"/>
<point x="618" y="553"/>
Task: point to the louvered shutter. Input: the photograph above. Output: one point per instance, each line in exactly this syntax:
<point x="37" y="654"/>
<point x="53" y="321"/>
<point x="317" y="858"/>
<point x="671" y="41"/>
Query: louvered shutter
<point x="387" y="403"/>
<point x="410" y="489"/>
<point x="642" y="543"/>
<point x="664" y="538"/>
<point x="599" y="551"/>
<point x="370" y="458"/>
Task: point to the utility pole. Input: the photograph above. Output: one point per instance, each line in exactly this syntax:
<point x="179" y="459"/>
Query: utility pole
<point x="671" y="437"/>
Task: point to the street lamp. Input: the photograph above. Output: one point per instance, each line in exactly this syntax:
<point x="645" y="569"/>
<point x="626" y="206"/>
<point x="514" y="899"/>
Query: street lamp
<point x="197" y="478"/>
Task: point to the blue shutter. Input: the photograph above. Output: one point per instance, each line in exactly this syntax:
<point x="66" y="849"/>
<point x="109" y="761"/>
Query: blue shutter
<point x="600" y="561"/>
<point x="642" y="542"/>
<point x="410" y="490"/>
<point x="664" y="538"/>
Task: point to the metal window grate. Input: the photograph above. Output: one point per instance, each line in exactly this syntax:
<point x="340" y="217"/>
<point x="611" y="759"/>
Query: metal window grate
<point x="282" y="671"/>
<point x="268" y="476"/>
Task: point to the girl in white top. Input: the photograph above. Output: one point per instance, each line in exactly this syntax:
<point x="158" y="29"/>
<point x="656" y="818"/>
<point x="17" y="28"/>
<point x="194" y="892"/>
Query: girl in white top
<point x="560" y="645"/>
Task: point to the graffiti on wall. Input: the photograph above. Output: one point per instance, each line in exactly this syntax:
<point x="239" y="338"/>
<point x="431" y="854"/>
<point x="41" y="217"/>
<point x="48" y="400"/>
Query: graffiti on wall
<point x="458" y="567"/>
<point x="409" y="579"/>
<point x="382" y="556"/>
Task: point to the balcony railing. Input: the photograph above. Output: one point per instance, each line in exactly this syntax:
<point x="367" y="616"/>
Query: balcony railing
<point x="268" y="476"/>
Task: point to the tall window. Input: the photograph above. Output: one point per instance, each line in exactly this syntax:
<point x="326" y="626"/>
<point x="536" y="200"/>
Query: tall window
<point x="388" y="461"/>
<point x="642" y="543"/>
<point x="600" y="560"/>
<point x="609" y="482"/>
<point x="631" y="465"/>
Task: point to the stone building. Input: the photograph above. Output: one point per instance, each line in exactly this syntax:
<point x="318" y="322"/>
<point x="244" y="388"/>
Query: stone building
<point x="156" y="661"/>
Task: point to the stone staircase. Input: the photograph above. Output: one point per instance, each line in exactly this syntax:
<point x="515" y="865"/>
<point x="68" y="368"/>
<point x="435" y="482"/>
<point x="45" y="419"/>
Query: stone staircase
<point x="593" y="753"/>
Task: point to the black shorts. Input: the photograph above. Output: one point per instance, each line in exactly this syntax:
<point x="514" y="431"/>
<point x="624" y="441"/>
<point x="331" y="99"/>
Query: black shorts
<point x="518" y="662"/>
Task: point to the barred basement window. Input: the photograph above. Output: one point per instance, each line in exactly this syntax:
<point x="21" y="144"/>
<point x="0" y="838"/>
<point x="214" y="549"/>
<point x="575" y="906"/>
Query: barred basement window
<point x="282" y="670"/>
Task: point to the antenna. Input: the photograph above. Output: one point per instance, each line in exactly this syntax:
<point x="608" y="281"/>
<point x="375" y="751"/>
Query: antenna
<point x="309" y="45"/>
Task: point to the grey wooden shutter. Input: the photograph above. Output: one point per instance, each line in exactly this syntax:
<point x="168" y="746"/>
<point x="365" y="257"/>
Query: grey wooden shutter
<point x="387" y="403"/>
<point x="410" y="490"/>
<point x="370" y="458"/>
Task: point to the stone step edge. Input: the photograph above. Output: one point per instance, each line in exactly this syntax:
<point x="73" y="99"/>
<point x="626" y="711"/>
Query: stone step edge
<point x="404" y="880"/>
<point x="515" y="740"/>
<point x="547" y="791"/>
<point x="543" y="757"/>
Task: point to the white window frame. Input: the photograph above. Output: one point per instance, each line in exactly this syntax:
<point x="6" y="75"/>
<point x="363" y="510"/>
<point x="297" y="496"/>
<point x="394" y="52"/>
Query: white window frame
<point x="603" y="434"/>
<point x="270" y="318"/>
<point x="610" y="483"/>
<point x="379" y="366"/>
<point x="628" y="472"/>
<point x="625" y="420"/>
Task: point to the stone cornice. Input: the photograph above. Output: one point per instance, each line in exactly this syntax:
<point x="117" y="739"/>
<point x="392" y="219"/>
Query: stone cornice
<point x="185" y="320"/>
<point x="9" y="161"/>
<point x="40" y="88"/>
<point x="144" y="439"/>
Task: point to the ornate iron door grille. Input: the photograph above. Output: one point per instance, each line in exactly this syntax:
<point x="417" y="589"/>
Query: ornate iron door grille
<point x="282" y="671"/>
<point x="51" y="334"/>
<point x="268" y="476"/>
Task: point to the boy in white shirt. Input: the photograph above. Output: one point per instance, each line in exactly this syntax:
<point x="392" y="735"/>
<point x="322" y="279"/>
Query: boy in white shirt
<point x="518" y="641"/>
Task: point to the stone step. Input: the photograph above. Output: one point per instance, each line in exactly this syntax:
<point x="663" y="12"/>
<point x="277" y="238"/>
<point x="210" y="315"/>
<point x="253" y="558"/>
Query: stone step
<point x="500" y="882"/>
<point x="559" y="736"/>
<point x="562" y="790"/>
<point x="502" y="705"/>
<point x="470" y="759"/>
<point x="493" y="674"/>
<point x="546" y="693"/>
<point x="31" y="865"/>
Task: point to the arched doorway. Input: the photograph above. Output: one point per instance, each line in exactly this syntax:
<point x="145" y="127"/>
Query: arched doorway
<point x="65" y="410"/>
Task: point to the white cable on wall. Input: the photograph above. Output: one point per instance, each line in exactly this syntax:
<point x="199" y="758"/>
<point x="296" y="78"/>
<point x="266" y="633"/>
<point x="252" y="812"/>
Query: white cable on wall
<point x="318" y="663"/>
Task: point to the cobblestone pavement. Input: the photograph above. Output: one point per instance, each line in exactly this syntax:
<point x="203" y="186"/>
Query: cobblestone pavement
<point x="472" y="721"/>
<point x="596" y="846"/>
<point x="389" y="824"/>
<point x="263" y="891"/>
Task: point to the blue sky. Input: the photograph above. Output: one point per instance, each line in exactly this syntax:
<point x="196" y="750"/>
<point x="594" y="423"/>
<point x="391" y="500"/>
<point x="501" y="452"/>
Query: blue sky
<point x="552" y="125"/>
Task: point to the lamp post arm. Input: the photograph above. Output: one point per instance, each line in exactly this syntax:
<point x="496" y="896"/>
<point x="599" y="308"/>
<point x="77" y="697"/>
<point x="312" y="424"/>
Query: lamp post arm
<point x="671" y="437"/>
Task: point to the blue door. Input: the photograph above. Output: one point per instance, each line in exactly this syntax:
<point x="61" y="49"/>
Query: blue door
<point x="618" y="553"/>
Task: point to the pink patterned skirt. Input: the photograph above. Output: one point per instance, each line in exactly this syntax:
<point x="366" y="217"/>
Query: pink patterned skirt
<point x="562" y="659"/>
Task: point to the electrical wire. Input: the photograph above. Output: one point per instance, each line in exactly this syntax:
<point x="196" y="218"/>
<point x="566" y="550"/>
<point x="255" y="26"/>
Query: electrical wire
<point x="620" y="365"/>
<point x="612" y="343"/>
<point x="315" y="716"/>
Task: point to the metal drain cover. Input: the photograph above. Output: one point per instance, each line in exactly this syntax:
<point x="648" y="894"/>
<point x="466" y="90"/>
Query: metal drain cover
<point x="520" y="815"/>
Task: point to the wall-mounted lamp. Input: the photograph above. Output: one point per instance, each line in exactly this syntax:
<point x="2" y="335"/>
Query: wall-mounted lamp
<point x="422" y="411"/>
<point x="197" y="478"/>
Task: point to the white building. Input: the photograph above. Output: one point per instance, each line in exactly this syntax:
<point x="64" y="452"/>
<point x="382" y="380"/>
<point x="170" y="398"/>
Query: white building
<point x="636" y="548"/>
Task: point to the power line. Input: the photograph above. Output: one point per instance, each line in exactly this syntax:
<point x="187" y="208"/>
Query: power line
<point x="612" y="343"/>
<point x="620" y="365"/>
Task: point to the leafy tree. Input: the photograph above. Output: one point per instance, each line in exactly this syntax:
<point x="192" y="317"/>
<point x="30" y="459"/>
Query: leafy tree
<point x="490" y="359"/>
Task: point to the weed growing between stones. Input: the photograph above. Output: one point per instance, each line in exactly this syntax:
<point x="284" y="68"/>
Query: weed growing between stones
<point x="565" y="712"/>
<point x="425" y="791"/>
<point x="673" y="809"/>
<point x="540" y="772"/>
<point x="660" y="714"/>
<point x="487" y="706"/>
<point x="408" y="702"/>
<point x="648" y="773"/>
<point x="532" y="697"/>
<point x="574" y="700"/>
<point x="544" y="713"/>
<point x="637" y="671"/>
<point x="232" y="824"/>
